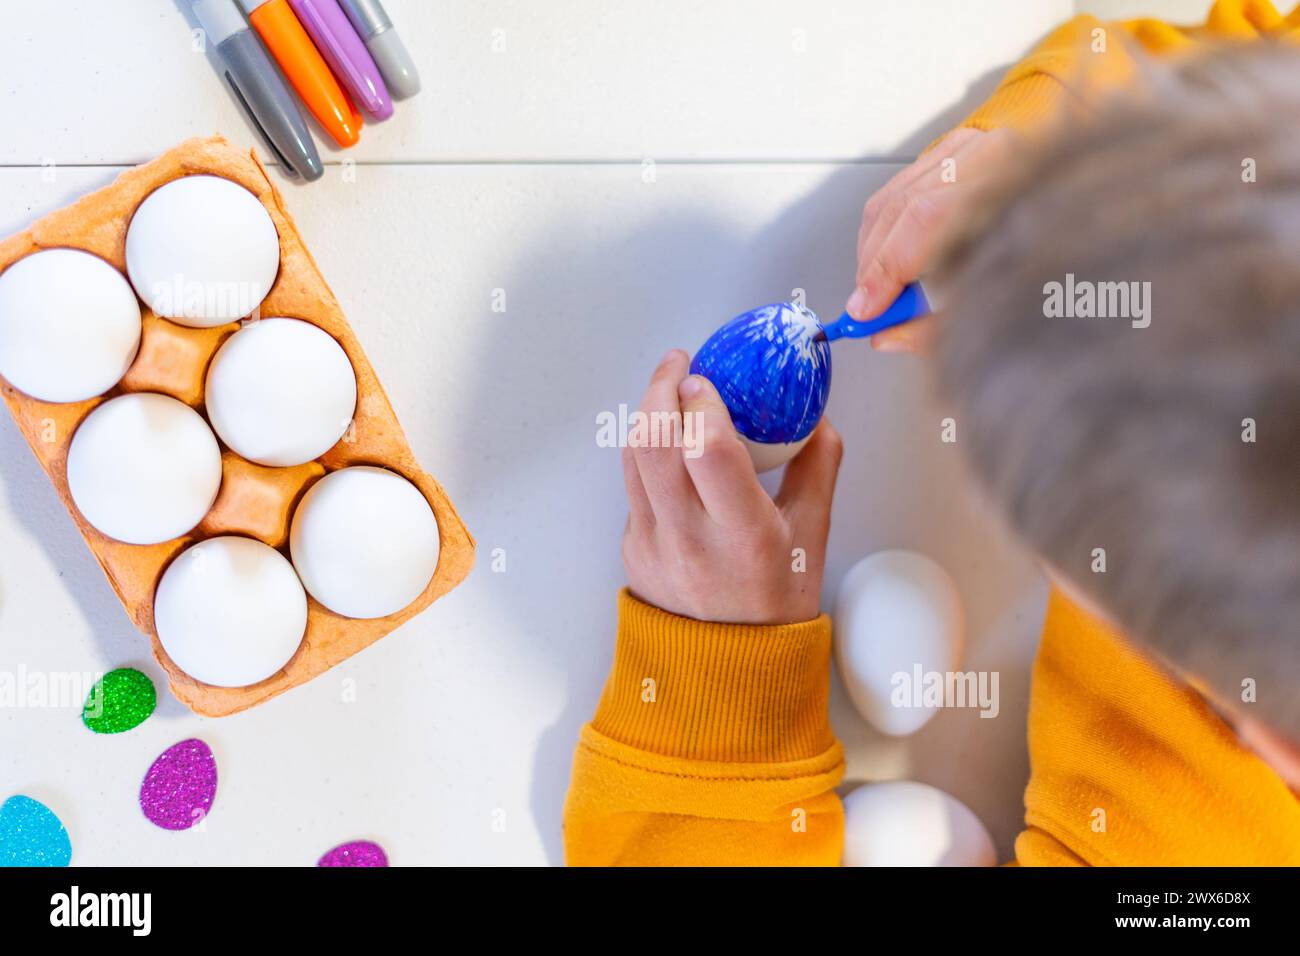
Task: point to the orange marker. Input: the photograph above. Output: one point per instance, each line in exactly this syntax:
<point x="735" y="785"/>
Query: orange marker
<point x="302" y="63"/>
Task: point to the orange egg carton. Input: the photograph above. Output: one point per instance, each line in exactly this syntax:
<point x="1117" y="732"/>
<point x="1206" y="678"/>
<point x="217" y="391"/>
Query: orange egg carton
<point x="254" y="501"/>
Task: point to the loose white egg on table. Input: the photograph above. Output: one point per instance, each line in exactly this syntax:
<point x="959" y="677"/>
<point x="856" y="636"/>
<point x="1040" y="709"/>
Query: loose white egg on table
<point x="898" y="620"/>
<point x="364" y="541"/>
<point x="69" y="325"/>
<point x="202" y="251"/>
<point x="902" y="823"/>
<point x="281" y="392"/>
<point x="230" y="611"/>
<point x="144" y="468"/>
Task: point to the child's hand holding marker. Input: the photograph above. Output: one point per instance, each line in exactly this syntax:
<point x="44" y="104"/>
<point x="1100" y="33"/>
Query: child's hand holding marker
<point x="904" y="222"/>
<point x="703" y="539"/>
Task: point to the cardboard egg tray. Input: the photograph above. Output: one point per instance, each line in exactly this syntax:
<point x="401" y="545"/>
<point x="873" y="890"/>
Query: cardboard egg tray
<point x="254" y="501"/>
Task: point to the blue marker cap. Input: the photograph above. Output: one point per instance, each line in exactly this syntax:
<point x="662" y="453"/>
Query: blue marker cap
<point x="910" y="304"/>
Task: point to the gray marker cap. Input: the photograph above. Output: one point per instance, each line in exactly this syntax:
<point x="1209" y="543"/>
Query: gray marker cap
<point x="259" y="87"/>
<point x="391" y="56"/>
<point x="219" y="19"/>
<point x="368" y="16"/>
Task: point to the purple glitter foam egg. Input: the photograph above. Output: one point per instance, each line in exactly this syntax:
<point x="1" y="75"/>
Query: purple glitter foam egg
<point x="358" y="853"/>
<point x="178" y="790"/>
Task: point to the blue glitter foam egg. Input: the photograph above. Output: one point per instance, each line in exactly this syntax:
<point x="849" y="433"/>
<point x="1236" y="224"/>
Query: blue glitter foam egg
<point x="771" y="371"/>
<point x="31" y="835"/>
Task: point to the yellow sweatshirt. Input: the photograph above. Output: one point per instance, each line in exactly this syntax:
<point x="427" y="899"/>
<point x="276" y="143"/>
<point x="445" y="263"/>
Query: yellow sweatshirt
<point x="712" y="743"/>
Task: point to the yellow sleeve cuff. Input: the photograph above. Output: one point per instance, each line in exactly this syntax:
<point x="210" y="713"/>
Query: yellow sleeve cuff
<point x="717" y="692"/>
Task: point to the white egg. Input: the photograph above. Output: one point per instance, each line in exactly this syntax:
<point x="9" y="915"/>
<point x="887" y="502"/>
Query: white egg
<point x="898" y="622"/>
<point x="902" y="823"/>
<point x="69" y="325"/>
<point x="281" y="392"/>
<point x="364" y="541"/>
<point x="230" y="611"/>
<point x="144" y="468"/>
<point x="769" y="455"/>
<point x="202" y="251"/>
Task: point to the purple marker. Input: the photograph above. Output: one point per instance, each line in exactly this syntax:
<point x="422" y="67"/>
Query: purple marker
<point x="346" y="54"/>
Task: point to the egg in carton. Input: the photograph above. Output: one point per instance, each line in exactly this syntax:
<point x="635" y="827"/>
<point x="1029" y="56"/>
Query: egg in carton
<point x="254" y="500"/>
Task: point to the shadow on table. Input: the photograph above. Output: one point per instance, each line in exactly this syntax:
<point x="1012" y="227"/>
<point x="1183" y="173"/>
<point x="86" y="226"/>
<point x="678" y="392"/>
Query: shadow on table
<point x="645" y="290"/>
<point x="37" y="506"/>
<point x="669" y="286"/>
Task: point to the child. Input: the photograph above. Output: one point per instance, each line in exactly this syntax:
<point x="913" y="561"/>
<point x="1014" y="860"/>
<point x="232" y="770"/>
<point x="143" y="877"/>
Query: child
<point x="1165" y="711"/>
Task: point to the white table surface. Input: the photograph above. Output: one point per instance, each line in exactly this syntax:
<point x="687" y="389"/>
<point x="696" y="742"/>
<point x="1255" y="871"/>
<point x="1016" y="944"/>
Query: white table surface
<point x="521" y="169"/>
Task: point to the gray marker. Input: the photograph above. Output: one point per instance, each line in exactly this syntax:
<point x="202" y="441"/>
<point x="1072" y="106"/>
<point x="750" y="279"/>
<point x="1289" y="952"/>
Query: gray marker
<point x="370" y="20"/>
<point x="259" y="87"/>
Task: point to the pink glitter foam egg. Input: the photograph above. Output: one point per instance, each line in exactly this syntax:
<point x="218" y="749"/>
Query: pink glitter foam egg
<point x="178" y="790"/>
<point x="358" y="853"/>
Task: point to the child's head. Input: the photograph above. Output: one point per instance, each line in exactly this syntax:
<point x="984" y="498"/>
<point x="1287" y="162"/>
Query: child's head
<point x="1159" y="439"/>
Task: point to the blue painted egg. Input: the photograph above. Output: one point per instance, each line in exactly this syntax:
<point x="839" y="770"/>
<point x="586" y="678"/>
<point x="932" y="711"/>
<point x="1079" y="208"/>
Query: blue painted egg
<point x="772" y="372"/>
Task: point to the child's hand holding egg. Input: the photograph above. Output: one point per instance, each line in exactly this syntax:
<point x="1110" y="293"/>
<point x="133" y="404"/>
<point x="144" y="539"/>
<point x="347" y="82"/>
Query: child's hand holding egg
<point x="704" y="539"/>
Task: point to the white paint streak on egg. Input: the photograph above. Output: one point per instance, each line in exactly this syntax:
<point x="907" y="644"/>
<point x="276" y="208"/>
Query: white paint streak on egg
<point x="898" y="617"/>
<point x="903" y="823"/>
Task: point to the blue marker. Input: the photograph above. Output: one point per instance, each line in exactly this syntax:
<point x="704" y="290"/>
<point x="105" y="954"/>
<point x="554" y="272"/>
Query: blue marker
<point x="910" y="304"/>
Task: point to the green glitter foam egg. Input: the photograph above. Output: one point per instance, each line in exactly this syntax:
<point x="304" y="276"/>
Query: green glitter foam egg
<point x="120" y="700"/>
